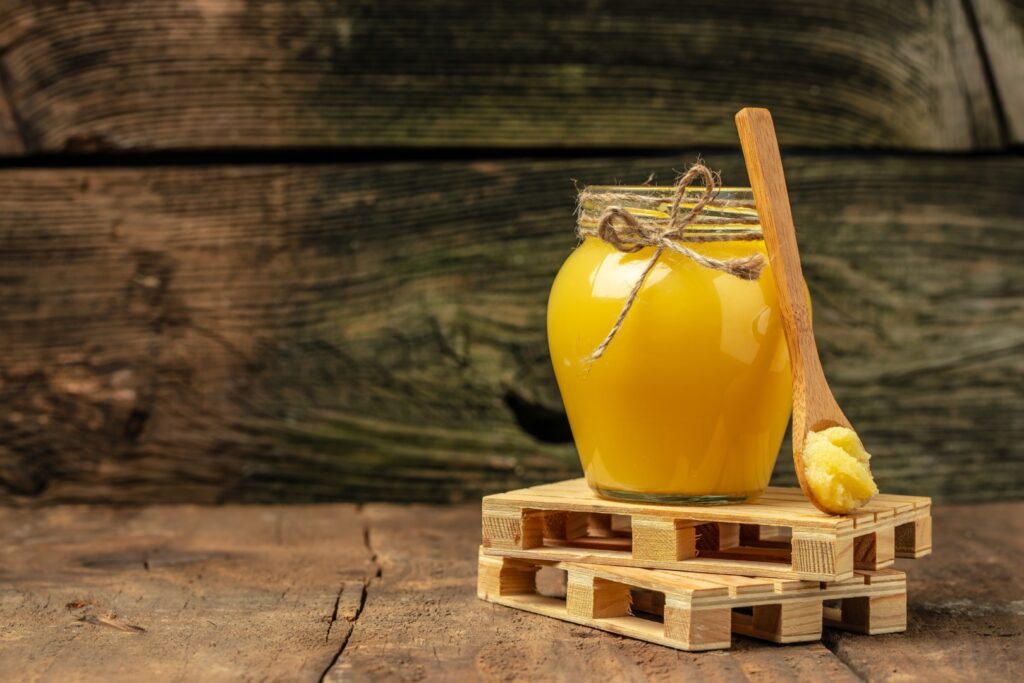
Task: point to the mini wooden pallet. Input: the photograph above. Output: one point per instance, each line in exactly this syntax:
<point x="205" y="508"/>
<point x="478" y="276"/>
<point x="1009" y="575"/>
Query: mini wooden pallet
<point x="781" y="534"/>
<point x="699" y="611"/>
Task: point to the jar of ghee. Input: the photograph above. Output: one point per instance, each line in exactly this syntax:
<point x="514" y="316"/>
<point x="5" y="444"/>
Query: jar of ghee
<point x="691" y="398"/>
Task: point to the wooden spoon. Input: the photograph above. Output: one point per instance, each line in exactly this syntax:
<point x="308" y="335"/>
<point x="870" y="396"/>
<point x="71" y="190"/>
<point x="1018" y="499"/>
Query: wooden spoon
<point x="814" y="406"/>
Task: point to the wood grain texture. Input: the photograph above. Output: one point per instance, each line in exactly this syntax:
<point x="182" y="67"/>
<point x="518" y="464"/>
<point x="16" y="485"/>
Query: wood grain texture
<point x="1000" y="24"/>
<point x="179" y="593"/>
<point x="249" y="592"/>
<point x="376" y="331"/>
<point x="187" y="74"/>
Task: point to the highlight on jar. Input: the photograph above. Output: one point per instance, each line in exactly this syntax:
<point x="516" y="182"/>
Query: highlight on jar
<point x="669" y="345"/>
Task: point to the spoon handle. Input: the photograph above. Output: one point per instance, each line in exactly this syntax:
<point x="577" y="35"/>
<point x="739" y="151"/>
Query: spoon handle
<point x="764" y="168"/>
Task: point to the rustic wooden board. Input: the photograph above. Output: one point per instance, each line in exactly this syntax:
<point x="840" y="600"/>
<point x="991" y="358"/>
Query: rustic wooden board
<point x="179" y="593"/>
<point x="375" y="331"/>
<point x="189" y="74"/>
<point x="423" y="622"/>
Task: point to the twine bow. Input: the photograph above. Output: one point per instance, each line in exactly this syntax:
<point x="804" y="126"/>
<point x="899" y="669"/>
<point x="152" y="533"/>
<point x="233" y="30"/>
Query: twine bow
<point x="624" y="231"/>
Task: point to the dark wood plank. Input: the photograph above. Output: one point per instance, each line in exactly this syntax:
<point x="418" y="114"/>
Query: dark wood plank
<point x="422" y="621"/>
<point x="1001" y="28"/>
<point x="186" y="74"/>
<point x="179" y="593"/>
<point x="376" y="331"/>
<point x="966" y="605"/>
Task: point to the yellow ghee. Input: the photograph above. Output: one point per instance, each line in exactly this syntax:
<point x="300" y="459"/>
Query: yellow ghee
<point x="691" y="399"/>
<point x="837" y="469"/>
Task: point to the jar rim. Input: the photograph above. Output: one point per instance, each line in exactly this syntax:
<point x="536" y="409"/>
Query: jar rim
<point x="731" y="210"/>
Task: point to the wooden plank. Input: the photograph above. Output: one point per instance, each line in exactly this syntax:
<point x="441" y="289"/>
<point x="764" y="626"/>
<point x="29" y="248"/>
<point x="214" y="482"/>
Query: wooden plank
<point x="1000" y="25"/>
<point x="740" y="585"/>
<point x="293" y="333"/>
<point x="185" y="593"/>
<point x="741" y="563"/>
<point x="422" y="621"/>
<point x="876" y="509"/>
<point x="907" y="501"/>
<point x="221" y="73"/>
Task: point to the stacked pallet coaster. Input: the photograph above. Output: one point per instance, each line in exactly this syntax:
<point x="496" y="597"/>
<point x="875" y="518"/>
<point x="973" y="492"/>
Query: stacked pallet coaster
<point x="688" y="576"/>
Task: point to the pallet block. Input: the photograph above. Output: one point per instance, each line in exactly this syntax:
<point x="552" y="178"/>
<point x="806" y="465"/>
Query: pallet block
<point x="694" y="612"/>
<point x="781" y="534"/>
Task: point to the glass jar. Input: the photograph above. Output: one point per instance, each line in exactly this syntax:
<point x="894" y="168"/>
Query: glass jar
<point x="690" y="400"/>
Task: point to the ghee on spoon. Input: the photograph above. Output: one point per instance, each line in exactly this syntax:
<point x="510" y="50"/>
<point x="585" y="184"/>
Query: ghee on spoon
<point x="830" y="459"/>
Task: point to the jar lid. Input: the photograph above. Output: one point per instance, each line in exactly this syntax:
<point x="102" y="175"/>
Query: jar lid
<point x="730" y="212"/>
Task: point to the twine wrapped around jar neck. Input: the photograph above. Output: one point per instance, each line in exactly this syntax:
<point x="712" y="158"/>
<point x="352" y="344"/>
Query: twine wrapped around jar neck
<point x="629" y="233"/>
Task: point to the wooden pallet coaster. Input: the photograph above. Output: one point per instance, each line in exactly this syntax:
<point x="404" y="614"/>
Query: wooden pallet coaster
<point x="694" y="612"/>
<point x="780" y="535"/>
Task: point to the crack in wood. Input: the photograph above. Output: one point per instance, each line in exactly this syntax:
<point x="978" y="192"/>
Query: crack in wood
<point x="830" y="643"/>
<point x="110" y="621"/>
<point x="985" y="59"/>
<point x="334" y="614"/>
<point x="351" y="599"/>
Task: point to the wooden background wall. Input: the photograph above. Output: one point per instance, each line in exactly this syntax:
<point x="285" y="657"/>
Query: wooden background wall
<point x="289" y="251"/>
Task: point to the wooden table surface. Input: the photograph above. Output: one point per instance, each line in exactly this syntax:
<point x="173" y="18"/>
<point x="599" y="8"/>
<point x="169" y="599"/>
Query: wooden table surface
<point x="386" y="592"/>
